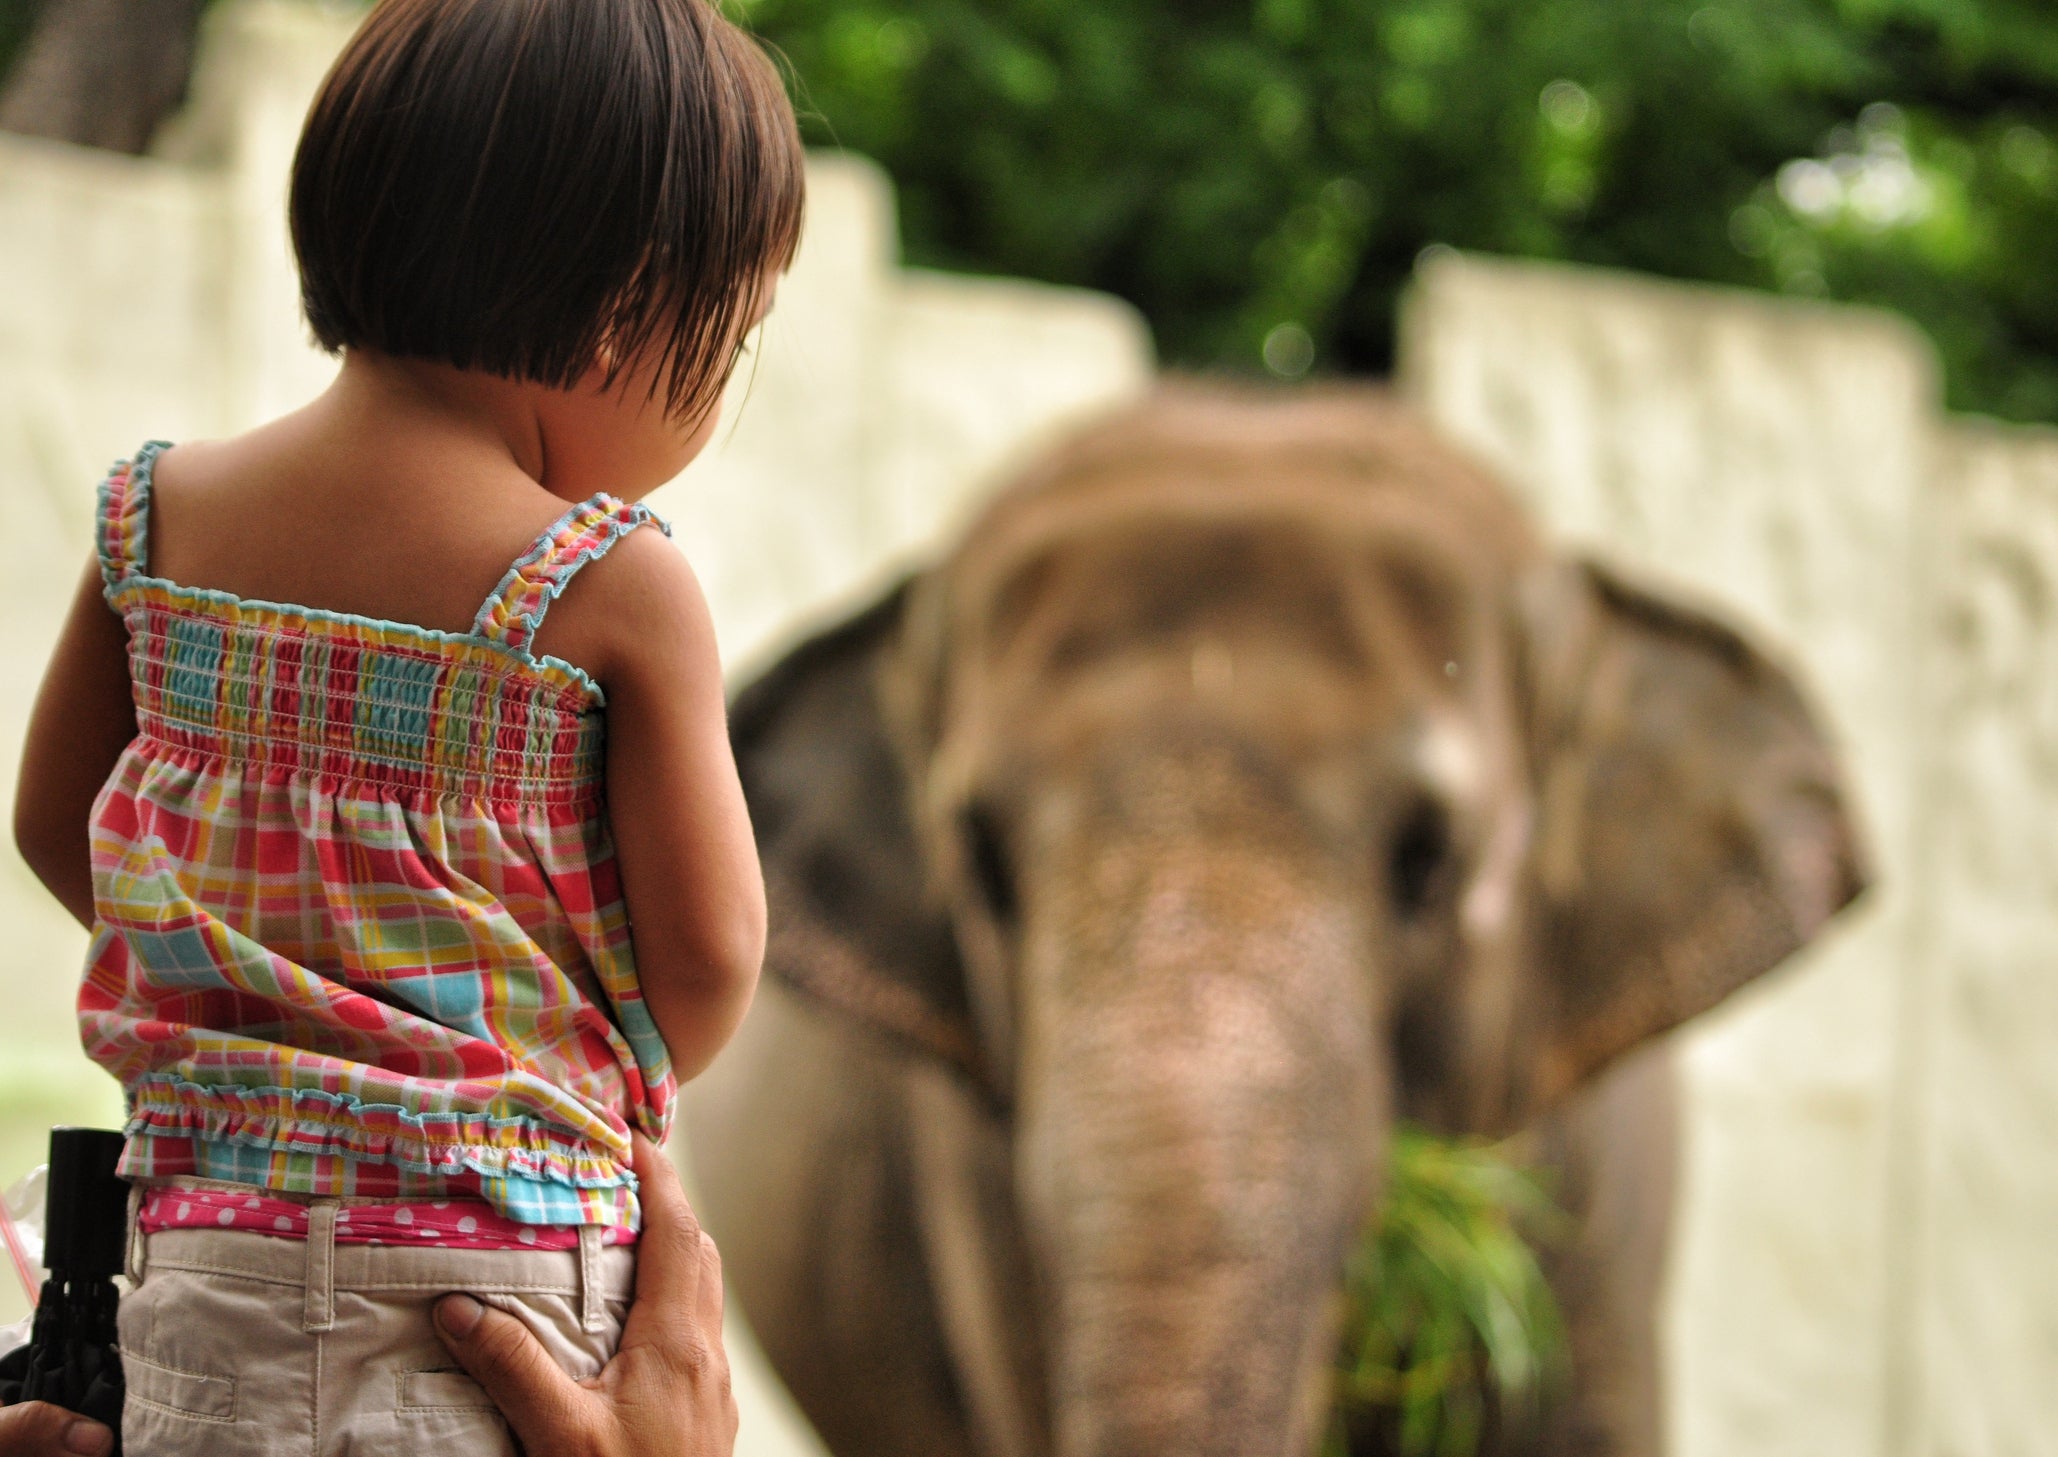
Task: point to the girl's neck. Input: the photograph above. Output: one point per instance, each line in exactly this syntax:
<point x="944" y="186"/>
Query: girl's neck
<point x="470" y="411"/>
<point x="572" y="442"/>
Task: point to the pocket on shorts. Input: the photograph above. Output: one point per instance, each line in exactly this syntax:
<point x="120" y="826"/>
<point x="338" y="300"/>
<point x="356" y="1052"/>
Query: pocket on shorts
<point x="188" y="1348"/>
<point x="442" y="1388"/>
<point x="441" y="1410"/>
<point x="195" y="1395"/>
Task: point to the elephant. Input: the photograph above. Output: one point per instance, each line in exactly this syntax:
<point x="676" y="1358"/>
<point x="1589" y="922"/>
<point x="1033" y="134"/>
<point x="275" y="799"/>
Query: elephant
<point x="1247" y="779"/>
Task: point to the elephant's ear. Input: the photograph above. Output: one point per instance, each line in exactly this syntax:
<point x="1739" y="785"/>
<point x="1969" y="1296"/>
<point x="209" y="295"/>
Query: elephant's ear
<point x="852" y="927"/>
<point x="1692" y="830"/>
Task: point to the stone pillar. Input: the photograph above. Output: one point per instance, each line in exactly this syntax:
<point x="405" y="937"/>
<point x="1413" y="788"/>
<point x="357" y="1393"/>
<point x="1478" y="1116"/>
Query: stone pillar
<point x="1974" y="1367"/>
<point x="259" y="65"/>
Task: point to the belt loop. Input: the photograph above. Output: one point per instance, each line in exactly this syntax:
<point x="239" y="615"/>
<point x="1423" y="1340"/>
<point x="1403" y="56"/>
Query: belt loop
<point x="592" y="1311"/>
<point x="320" y="1313"/>
<point x="135" y="1256"/>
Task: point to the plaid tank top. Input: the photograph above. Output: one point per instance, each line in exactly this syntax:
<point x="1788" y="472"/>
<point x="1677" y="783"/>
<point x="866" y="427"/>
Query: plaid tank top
<point x="360" y="926"/>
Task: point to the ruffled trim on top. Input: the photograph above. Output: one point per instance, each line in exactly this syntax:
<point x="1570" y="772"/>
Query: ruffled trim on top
<point x="121" y="522"/>
<point x="301" y="1120"/>
<point x="515" y="610"/>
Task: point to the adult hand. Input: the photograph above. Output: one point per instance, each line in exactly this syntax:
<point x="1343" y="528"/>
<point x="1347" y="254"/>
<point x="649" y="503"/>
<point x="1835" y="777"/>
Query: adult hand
<point x="38" y="1429"/>
<point x="665" y="1393"/>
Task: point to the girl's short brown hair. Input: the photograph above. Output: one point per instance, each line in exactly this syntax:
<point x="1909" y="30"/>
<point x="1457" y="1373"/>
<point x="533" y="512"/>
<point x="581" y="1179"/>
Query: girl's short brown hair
<point x="516" y="185"/>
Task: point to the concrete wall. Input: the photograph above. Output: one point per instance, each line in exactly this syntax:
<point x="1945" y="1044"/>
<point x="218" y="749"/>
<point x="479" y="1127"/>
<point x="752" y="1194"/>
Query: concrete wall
<point x="1865" y="1263"/>
<point x="1974" y="1367"/>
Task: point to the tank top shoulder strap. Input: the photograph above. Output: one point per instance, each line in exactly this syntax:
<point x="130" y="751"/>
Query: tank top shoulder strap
<point x="583" y="534"/>
<point x="121" y="524"/>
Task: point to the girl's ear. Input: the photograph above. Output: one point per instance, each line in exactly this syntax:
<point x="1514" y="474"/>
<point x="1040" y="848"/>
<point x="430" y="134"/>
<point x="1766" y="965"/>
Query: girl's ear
<point x="606" y="354"/>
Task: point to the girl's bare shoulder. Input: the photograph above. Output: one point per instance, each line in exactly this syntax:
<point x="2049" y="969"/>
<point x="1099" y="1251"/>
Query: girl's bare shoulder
<point x="637" y="613"/>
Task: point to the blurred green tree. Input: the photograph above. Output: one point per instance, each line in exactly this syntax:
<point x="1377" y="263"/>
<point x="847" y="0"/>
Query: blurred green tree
<point x="16" y="16"/>
<point x="1258" y="176"/>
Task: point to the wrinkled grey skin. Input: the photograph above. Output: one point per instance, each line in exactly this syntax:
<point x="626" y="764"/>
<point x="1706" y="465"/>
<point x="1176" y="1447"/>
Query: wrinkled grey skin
<point x="1248" y="778"/>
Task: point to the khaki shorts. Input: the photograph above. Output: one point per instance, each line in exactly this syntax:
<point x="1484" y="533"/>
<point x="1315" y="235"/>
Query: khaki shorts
<point x="236" y="1344"/>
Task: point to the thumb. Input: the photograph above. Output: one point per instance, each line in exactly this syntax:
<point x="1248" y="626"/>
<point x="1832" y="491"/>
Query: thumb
<point x="545" y="1407"/>
<point x="38" y="1429"/>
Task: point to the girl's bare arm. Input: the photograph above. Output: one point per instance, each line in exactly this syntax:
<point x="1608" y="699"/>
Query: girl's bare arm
<point x="688" y="859"/>
<point x="84" y="717"/>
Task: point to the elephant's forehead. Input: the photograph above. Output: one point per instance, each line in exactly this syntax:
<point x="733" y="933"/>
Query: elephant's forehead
<point x="1346" y="463"/>
<point x="1254" y="495"/>
<point x="1208" y="586"/>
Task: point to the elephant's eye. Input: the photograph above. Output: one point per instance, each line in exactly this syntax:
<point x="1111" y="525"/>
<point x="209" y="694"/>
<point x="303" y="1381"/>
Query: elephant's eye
<point x="989" y="864"/>
<point x="1420" y="857"/>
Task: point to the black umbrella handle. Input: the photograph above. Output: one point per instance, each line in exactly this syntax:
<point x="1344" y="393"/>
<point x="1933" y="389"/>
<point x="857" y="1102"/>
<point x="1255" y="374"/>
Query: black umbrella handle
<point x="73" y="1358"/>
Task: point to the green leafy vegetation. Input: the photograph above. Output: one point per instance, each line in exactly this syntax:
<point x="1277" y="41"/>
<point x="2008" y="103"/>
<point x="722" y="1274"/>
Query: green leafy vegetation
<point x="1447" y="1321"/>
<point x="16" y="16"/>
<point x="1258" y="176"/>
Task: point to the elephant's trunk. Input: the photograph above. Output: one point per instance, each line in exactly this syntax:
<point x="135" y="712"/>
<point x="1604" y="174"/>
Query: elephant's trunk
<point x="1199" y="1124"/>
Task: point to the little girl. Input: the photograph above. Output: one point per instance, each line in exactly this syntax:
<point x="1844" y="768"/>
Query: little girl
<point x="397" y="934"/>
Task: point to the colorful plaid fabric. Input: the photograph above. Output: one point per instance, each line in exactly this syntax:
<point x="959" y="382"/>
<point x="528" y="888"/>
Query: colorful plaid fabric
<point x="361" y="929"/>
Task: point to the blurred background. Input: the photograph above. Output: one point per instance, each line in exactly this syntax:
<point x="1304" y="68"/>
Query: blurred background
<point x="1718" y="288"/>
<point x="1260" y="177"/>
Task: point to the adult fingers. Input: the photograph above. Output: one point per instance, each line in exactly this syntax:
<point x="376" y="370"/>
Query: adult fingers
<point x="38" y="1429"/>
<point x="666" y="1214"/>
<point x="668" y="1265"/>
<point x="544" y="1406"/>
<point x="716" y="1370"/>
<point x="710" y="1283"/>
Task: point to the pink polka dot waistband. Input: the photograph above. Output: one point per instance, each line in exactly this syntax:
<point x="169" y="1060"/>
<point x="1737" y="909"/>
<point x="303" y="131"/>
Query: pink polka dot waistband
<point x="470" y="1224"/>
